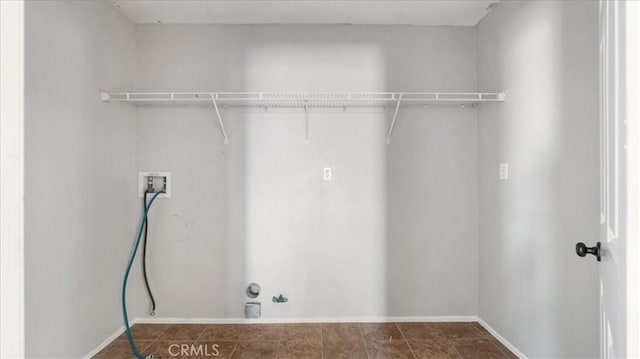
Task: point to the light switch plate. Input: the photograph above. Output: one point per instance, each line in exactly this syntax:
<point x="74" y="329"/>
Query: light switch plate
<point x="326" y="173"/>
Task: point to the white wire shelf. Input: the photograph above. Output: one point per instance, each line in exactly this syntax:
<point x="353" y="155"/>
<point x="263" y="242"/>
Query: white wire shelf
<point x="303" y="100"/>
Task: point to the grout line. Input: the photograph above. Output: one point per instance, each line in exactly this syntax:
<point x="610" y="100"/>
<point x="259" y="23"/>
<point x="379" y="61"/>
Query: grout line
<point x="363" y="341"/>
<point x="148" y="346"/>
<point x="153" y="342"/>
<point x="279" y="340"/>
<point x="504" y="349"/>
<point x="496" y="346"/>
<point x="478" y="330"/>
<point x="321" y="341"/>
<point x="204" y="327"/>
<point x="494" y="340"/>
<point x="203" y="330"/>
<point x="234" y="349"/>
<point x="452" y="346"/>
<point x="406" y="341"/>
<point x="163" y="332"/>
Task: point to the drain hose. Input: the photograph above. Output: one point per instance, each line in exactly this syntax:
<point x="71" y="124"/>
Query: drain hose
<point x="132" y="343"/>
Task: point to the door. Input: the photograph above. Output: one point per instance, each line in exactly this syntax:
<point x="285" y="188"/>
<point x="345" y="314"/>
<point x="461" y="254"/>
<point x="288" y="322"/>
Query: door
<point x="613" y="181"/>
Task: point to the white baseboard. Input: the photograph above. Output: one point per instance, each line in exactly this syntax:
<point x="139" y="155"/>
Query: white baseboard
<point x="107" y="341"/>
<point x="172" y="320"/>
<point x="502" y="340"/>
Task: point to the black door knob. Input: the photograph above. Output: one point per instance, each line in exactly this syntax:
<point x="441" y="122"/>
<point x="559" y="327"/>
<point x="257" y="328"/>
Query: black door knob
<point x="582" y="250"/>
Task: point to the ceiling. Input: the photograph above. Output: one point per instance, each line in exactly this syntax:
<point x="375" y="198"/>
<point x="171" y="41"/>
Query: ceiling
<point x="370" y="12"/>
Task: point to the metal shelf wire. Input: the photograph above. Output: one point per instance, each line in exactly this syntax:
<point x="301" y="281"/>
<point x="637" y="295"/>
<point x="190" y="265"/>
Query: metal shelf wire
<point x="303" y="100"/>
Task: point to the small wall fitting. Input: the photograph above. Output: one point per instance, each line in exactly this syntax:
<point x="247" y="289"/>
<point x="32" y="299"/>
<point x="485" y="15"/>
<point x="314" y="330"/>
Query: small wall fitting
<point x="253" y="290"/>
<point x="157" y="181"/>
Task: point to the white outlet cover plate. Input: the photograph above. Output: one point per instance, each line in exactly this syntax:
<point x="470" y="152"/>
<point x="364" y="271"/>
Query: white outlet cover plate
<point x="142" y="183"/>
<point x="326" y="173"/>
<point x="504" y="171"/>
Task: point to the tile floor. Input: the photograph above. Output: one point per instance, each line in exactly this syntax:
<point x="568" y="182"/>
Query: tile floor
<point x="326" y="340"/>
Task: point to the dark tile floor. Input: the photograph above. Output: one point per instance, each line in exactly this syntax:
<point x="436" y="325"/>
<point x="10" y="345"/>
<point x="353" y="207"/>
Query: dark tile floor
<point x="327" y="340"/>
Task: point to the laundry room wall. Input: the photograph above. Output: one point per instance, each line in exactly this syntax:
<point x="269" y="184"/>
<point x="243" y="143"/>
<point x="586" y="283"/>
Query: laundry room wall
<point x="534" y="290"/>
<point x="80" y="208"/>
<point x="377" y="240"/>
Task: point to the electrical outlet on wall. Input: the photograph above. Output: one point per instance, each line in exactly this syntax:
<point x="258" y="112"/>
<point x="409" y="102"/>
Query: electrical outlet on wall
<point x="158" y="180"/>
<point x="326" y="173"/>
<point x="504" y="171"/>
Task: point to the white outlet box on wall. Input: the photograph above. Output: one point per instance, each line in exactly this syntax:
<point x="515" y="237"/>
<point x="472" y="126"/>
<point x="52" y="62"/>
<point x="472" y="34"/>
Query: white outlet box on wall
<point x="504" y="171"/>
<point x="161" y="180"/>
<point x="326" y="173"/>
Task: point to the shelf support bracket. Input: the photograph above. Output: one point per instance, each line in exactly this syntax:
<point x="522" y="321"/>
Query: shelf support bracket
<point x="306" y="122"/>
<point x="393" y="121"/>
<point x="215" y="106"/>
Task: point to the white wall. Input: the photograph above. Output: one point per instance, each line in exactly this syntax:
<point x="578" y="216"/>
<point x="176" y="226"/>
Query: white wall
<point x="534" y="290"/>
<point x="12" y="179"/>
<point x="395" y="232"/>
<point x="80" y="174"/>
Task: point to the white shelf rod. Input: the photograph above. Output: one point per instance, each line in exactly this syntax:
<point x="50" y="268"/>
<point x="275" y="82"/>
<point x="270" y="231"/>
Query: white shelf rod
<point x="215" y="105"/>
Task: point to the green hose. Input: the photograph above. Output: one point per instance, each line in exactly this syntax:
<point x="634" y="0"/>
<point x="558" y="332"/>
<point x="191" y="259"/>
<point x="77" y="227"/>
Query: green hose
<point x="132" y="343"/>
